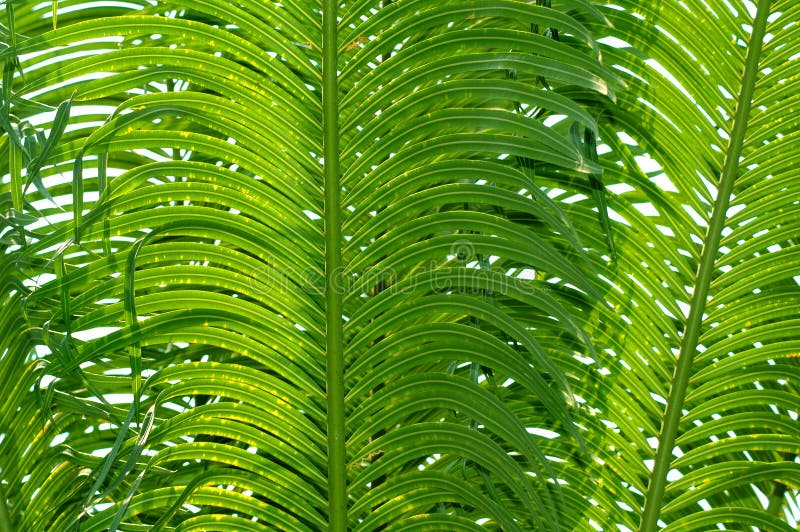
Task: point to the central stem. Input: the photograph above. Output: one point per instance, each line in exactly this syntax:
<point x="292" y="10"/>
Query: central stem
<point x="337" y="460"/>
<point x="680" y="380"/>
<point x="5" y="518"/>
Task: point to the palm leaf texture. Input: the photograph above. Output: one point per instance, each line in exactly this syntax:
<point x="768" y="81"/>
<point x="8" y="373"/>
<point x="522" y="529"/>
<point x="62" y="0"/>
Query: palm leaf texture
<point x="697" y="371"/>
<point x="387" y="265"/>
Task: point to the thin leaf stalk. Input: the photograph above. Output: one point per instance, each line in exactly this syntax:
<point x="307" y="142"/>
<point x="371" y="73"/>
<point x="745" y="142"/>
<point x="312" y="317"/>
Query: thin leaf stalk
<point x="680" y="380"/>
<point x="15" y="171"/>
<point x="337" y="460"/>
<point x="5" y="515"/>
<point x="776" y="499"/>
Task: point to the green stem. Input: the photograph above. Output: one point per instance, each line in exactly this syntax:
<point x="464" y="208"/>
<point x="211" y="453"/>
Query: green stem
<point x="680" y="380"/>
<point x="337" y="473"/>
<point x="5" y="517"/>
<point x="15" y="171"/>
<point x="777" y="499"/>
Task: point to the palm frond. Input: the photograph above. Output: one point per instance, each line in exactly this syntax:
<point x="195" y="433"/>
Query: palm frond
<point x="400" y="265"/>
<point x="702" y="320"/>
<point x="290" y="284"/>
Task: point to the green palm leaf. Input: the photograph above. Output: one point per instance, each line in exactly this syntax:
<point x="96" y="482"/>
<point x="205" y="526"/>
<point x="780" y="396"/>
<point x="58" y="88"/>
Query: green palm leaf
<point x="250" y="218"/>
<point x="308" y="265"/>
<point x="705" y="283"/>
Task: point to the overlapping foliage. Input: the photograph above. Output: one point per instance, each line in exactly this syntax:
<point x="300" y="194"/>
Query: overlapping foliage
<point x="438" y="276"/>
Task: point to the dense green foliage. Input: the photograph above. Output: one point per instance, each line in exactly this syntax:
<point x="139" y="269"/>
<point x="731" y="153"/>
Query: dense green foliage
<point x="399" y="265"/>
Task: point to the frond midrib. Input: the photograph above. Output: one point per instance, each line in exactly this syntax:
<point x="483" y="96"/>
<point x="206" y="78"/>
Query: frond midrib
<point x="680" y="383"/>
